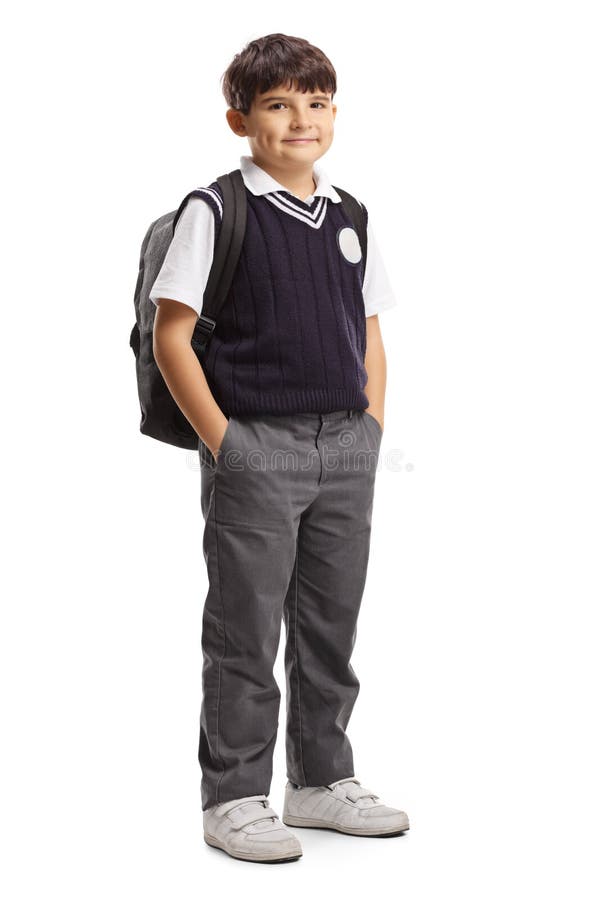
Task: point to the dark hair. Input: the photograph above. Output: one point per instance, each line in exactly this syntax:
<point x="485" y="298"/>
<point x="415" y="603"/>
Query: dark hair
<point x="274" y="60"/>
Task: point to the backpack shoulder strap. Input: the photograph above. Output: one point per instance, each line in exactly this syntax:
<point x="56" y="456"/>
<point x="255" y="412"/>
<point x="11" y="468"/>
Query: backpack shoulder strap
<point x="228" y="246"/>
<point x="359" y="218"/>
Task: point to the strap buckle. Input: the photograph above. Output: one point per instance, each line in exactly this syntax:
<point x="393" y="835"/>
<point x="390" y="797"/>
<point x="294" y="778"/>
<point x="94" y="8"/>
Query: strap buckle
<point x="202" y="332"/>
<point x="206" y="325"/>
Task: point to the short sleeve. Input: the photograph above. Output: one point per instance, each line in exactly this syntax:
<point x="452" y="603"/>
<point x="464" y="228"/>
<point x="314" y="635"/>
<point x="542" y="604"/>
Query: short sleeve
<point x="186" y="266"/>
<point x="377" y="290"/>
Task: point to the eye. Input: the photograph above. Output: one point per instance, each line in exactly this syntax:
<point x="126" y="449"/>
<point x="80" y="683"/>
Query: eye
<point x="279" y="103"/>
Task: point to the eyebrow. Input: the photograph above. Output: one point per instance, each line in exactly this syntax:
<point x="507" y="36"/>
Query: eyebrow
<point x="314" y="97"/>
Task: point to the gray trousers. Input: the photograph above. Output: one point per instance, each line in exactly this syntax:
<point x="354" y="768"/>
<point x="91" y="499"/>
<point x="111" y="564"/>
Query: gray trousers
<point x="287" y="508"/>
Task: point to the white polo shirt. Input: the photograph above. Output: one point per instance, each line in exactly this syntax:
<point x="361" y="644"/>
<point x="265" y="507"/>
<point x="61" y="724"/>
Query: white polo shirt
<point x="186" y="266"/>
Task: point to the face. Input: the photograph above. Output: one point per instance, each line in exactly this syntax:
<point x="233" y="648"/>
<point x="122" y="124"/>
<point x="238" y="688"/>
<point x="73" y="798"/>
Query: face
<point x="286" y="127"/>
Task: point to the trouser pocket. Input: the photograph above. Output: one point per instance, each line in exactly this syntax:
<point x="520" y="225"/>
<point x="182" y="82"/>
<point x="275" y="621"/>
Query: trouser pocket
<point x="206" y="455"/>
<point x="372" y="420"/>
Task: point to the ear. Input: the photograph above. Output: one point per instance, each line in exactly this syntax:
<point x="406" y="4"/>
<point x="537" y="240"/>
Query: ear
<point x="236" y="122"/>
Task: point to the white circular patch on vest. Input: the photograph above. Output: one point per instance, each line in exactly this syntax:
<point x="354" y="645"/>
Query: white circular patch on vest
<point x="349" y="245"/>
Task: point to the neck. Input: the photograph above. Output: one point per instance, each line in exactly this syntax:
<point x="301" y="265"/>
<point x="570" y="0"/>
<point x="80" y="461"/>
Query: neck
<point x="299" y="182"/>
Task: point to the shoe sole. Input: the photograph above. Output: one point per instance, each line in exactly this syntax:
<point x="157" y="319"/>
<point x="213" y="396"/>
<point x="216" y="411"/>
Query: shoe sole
<point x="343" y="829"/>
<point x="251" y="857"/>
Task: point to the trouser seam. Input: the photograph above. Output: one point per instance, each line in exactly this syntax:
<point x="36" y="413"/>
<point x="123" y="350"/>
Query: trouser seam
<point x="296" y="663"/>
<point x="218" y="714"/>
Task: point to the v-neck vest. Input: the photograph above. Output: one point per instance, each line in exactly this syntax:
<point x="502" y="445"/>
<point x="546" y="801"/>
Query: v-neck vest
<point x="291" y="335"/>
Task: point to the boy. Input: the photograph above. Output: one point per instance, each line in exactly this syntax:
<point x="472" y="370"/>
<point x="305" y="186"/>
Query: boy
<point x="288" y="404"/>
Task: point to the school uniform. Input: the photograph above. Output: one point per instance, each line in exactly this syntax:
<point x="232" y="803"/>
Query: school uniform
<point x="288" y="503"/>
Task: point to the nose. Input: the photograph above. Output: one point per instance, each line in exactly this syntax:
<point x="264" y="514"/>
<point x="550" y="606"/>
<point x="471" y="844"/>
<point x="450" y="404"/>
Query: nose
<point x="300" y="122"/>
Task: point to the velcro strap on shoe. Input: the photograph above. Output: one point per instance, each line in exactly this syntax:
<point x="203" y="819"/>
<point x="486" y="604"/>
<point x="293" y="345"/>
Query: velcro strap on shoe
<point x="358" y="792"/>
<point x="241" y="816"/>
<point x="353" y="789"/>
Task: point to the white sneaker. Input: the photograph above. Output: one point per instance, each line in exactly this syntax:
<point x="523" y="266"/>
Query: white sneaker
<point x="344" y="806"/>
<point x="249" y="829"/>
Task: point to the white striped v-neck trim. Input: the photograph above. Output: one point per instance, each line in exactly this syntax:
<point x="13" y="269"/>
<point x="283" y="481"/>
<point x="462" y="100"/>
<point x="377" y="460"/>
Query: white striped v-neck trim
<point x="261" y="184"/>
<point x="312" y="216"/>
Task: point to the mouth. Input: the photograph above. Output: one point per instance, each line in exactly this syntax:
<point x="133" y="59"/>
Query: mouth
<point x="300" y="141"/>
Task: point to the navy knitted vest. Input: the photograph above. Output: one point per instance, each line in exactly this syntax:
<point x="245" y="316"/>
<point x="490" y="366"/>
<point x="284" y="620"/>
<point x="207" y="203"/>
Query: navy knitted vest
<point x="291" y="335"/>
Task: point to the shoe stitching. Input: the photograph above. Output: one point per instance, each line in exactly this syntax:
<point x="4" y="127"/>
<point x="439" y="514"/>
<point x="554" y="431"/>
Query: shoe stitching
<point x="322" y="804"/>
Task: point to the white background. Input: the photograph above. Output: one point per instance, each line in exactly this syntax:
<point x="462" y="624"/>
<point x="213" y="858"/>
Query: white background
<point x="470" y="130"/>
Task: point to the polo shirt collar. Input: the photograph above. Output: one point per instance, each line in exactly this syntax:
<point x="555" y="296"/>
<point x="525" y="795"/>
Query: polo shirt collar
<point x="260" y="182"/>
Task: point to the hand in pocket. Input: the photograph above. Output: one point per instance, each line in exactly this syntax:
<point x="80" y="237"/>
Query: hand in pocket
<point x="216" y="453"/>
